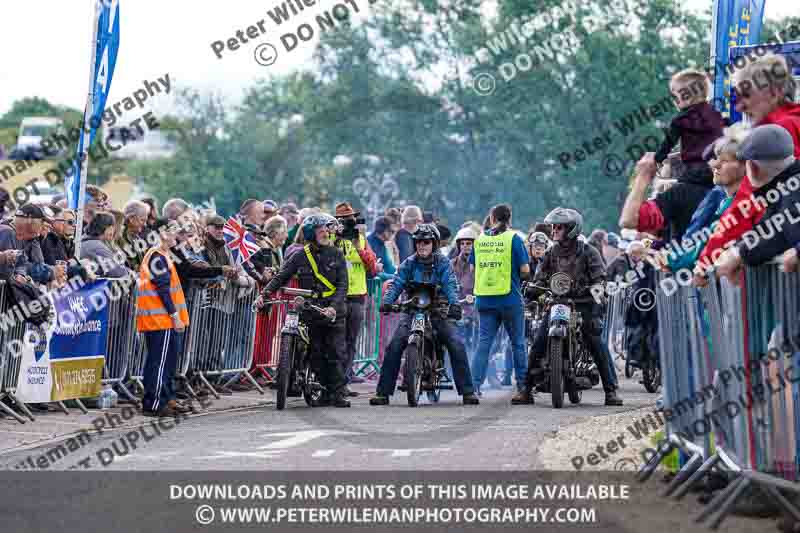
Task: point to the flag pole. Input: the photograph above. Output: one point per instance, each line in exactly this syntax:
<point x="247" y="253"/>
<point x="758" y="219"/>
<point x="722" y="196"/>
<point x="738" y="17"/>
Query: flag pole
<point x="85" y="133"/>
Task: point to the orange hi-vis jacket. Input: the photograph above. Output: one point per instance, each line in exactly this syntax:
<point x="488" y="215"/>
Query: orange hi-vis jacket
<point x="151" y="315"/>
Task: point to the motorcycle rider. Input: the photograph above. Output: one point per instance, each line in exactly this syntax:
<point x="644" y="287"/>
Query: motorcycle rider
<point x="321" y="267"/>
<point x="538" y="243"/>
<point x="430" y="266"/>
<point x="465" y="238"/>
<point x="583" y="264"/>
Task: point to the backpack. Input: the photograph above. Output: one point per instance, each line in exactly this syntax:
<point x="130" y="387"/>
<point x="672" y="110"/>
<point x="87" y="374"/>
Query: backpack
<point x="22" y="295"/>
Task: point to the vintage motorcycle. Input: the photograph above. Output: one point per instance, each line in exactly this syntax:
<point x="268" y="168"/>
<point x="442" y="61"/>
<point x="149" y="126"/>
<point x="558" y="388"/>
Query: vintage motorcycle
<point x="568" y="365"/>
<point x="424" y="367"/>
<point x="296" y="374"/>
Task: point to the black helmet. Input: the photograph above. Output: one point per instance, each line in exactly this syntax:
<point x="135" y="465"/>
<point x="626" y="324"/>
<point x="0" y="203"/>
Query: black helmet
<point x="569" y="217"/>
<point x="427" y="232"/>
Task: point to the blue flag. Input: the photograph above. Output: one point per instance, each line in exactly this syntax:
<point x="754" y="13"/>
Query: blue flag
<point x="104" y="59"/>
<point x="736" y="23"/>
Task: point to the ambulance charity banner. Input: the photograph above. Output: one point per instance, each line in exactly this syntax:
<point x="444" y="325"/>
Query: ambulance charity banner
<point x="65" y="360"/>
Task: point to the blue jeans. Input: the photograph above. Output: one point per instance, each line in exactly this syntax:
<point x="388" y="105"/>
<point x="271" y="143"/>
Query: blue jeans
<point x="612" y="370"/>
<point x="513" y="319"/>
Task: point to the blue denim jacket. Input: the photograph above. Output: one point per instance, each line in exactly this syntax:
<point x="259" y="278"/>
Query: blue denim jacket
<point x="412" y="270"/>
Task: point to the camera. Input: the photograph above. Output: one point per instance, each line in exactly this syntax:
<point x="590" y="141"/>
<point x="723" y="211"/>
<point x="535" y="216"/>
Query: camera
<point x="349" y="227"/>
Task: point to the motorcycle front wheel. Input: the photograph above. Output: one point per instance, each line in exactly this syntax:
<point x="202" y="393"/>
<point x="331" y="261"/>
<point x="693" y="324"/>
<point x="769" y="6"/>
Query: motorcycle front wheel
<point x="651" y="376"/>
<point x="284" y="369"/>
<point x="413" y="374"/>
<point x="556" y="372"/>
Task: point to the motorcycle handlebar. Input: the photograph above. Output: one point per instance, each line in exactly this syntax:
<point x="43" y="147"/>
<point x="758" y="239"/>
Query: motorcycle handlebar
<point x="297" y="292"/>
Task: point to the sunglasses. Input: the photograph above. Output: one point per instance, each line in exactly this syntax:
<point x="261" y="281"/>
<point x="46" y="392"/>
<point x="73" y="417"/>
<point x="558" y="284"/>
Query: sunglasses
<point x="67" y="222"/>
<point x="559" y="227"/>
<point x="217" y="226"/>
<point x="425" y="241"/>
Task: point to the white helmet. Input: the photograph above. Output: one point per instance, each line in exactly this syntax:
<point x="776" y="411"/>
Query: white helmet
<point x="465" y="234"/>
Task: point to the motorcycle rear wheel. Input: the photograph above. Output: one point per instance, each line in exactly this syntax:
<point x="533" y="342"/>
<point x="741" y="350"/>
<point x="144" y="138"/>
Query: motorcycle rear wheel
<point x="556" y="373"/>
<point x="574" y="393"/>
<point x="629" y="369"/>
<point x="311" y="395"/>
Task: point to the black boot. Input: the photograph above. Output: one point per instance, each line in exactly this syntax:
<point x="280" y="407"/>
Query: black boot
<point x="612" y="399"/>
<point x="340" y="400"/>
<point x="379" y="399"/>
<point x="470" y="399"/>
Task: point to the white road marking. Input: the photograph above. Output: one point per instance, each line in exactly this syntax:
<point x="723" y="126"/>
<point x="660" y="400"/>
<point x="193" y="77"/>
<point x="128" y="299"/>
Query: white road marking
<point x="296" y="438"/>
<point x="266" y="454"/>
<point x="323" y="453"/>
<point x="406" y="452"/>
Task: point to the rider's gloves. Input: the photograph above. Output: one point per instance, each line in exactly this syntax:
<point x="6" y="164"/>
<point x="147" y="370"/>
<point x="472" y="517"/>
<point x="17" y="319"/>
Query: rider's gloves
<point x="527" y="290"/>
<point x="385" y="308"/>
<point x="454" y="312"/>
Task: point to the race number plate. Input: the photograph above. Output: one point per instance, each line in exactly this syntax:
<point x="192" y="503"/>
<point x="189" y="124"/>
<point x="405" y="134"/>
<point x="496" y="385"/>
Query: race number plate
<point x="560" y="312"/>
<point x="419" y="323"/>
<point x="291" y="320"/>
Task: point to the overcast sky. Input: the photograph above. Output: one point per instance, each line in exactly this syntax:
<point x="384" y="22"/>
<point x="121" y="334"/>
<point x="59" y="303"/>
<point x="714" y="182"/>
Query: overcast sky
<point x="46" y="44"/>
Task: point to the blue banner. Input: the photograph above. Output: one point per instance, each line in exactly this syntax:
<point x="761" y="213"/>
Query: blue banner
<point x="736" y="23"/>
<point x="63" y="359"/>
<point x="77" y="343"/>
<point x="105" y="48"/>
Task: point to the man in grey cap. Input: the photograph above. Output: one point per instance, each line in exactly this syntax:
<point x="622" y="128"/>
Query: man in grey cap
<point x="775" y="175"/>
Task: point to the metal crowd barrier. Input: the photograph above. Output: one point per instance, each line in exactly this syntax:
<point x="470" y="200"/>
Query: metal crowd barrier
<point x="686" y="378"/>
<point x="10" y="360"/>
<point x="368" y="342"/>
<point x="614" y="326"/>
<point x="121" y="333"/>
<point x="751" y="336"/>
<point x="222" y="330"/>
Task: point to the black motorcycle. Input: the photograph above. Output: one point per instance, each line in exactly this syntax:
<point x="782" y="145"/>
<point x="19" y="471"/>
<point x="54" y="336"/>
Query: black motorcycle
<point x="296" y="373"/>
<point x="424" y="358"/>
<point x="568" y="365"/>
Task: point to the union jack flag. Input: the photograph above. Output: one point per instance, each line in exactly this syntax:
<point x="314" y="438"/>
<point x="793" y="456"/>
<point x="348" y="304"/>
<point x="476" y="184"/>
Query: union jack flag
<point x="241" y="242"/>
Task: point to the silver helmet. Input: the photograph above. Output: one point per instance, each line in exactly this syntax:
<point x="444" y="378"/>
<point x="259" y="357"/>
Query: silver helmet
<point x="569" y="217"/>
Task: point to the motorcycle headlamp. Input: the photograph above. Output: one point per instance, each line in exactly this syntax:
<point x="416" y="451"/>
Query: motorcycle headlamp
<point x="423" y="300"/>
<point x="560" y="283"/>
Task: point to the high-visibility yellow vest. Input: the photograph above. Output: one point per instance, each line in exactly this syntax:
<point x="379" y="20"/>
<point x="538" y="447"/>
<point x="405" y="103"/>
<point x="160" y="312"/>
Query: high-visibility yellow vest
<point x="330" y="286"/>
<point x="151" y="315"/>
<point x="493" y="264"/>
<point x="356" y="272"/>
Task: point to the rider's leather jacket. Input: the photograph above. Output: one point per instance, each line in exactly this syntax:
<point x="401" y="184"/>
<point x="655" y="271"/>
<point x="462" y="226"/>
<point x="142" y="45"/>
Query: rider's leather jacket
<point x="330" y="263"/>
<point x="437" y="271"/>
<point x="581" y="261"/>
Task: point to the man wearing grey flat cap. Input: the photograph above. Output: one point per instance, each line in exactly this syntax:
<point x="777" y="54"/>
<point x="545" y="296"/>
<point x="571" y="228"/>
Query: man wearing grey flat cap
<point x="775" y="174"/>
